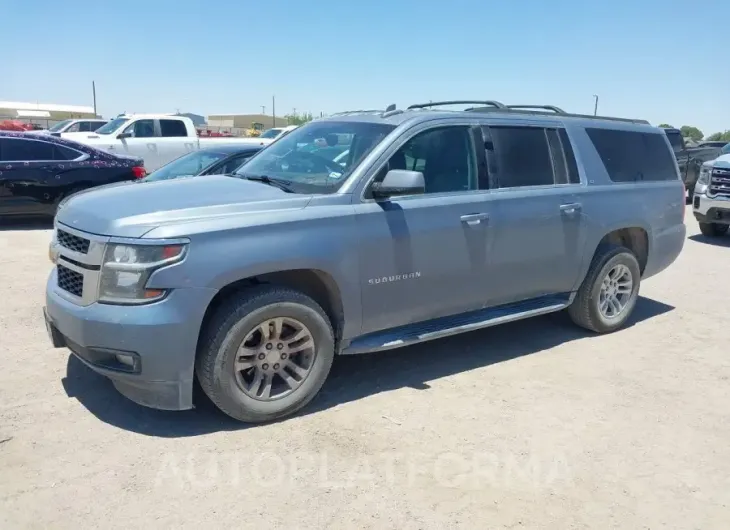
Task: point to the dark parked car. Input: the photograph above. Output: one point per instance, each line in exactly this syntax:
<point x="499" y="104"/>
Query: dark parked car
<point x="38" y="171"/>
<point x="213" y="161"/>
<point x="690" y="159"/>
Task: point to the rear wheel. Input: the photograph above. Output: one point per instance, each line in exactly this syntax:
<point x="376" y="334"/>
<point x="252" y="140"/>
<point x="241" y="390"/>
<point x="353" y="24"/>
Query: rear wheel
<point x="713" y="229"/>
<point x="608" y="294"/>
<point x="265" y="354"/>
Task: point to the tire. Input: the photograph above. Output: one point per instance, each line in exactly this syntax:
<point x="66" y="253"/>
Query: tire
<point x="585" y="310"/>
<point x="713" y="229"/>
<point x="239" y="318"/>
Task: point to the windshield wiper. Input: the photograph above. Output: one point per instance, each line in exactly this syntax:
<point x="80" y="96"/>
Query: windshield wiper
<point x="277" y="183"/>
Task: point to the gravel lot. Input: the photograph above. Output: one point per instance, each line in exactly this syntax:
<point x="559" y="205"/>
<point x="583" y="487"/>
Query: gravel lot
<point x="532" y="424"/>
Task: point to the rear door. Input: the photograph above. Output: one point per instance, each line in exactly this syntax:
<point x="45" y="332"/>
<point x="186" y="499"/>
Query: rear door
<point x="538" y="224"/>
<point x="426" y="256"/>
<point x="173" y="140"/>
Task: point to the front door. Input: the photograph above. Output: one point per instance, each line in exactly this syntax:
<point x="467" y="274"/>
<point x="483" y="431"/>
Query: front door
<point x="538" y="222"/>
<point x="142" y="143"/>
<point x="426" y="256"/>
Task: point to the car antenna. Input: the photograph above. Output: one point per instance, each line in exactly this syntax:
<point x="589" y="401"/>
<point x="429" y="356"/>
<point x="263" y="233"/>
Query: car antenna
<point x="390" y="110"/>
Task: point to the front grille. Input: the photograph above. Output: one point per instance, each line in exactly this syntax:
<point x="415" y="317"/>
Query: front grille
<point x="720" y="182"/>
<point x="72" y="242"/>
<point x="71" y="281"/>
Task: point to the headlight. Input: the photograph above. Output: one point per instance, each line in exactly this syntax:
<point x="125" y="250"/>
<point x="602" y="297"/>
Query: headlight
<point x="704" y="177"/>
<point x="126" y="268"/>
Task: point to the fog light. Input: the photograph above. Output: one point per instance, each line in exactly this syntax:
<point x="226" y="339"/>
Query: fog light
<point x="126" y="360"/>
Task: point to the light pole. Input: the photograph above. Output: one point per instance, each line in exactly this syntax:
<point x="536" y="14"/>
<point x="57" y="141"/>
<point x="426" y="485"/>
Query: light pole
<point x="595" y="105"/>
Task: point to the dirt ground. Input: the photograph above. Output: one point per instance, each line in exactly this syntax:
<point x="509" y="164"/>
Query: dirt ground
<point x="534" y="424"/>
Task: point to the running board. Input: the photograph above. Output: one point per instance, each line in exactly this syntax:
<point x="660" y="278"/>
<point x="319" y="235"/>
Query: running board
<point x="453" y="325"/>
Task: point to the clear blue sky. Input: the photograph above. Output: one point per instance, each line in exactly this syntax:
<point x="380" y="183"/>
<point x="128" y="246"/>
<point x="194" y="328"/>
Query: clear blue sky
<point x="663" y="60"/>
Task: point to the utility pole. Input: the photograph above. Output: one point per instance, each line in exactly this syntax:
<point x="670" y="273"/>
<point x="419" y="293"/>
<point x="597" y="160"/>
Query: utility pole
<point x="595" y="105"/>
<point x="263" y="109"/>
<point x="93" y="91"/>
<point x="273" y="110"/>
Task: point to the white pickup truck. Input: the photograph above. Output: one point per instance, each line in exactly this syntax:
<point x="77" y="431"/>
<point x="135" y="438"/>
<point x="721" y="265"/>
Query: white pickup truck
<point x="157" y="138"/>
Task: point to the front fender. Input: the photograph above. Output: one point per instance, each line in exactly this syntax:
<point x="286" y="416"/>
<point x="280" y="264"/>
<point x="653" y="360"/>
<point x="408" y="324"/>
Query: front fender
<point x="221" y="258"/>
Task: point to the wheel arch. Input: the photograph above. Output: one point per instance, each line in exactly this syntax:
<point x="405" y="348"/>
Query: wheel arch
<point x="633" y="236"/>
<point x="318" y="284"/>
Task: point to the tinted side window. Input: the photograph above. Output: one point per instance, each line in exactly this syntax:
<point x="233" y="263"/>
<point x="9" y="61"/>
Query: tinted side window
<point x="141" y="129"/>
<point x="61" y="152"/>
<point x="16" y="150"/>
<point x="173" y="128"/>
<point x="631" y="156"/>
<point x="445" y="156"/>
<point x="573" y="175"/>
<point x="233" y="164"/>
<point x="76" y="127"/>
<point x="85" y="126"/>
<point x="521" y="157"/>
<point x="94" y="125"/>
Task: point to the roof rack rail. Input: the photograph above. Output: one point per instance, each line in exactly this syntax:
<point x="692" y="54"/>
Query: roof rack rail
<point x="541" y="110"/>
<point x="349" y="112"/>
<point x="553" y="108"/>
<point x="489" y="103"/>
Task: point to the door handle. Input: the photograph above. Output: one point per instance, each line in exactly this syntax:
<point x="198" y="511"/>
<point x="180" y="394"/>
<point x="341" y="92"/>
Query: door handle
<point x="571" y="209"/>
<point x="473" y="219"/>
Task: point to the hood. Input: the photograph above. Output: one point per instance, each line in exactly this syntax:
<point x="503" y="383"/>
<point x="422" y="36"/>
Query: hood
<point x="721" y="161"/>
<point x="133" y="209"/>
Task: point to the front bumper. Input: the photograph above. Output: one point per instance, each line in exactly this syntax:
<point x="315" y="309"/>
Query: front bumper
<point x="711" y="209"/>
<point x="160" y="339"/>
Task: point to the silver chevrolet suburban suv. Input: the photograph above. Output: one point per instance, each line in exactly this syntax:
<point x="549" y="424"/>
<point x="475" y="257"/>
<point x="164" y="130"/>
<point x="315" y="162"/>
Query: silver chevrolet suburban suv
<point x="431" y="223"/>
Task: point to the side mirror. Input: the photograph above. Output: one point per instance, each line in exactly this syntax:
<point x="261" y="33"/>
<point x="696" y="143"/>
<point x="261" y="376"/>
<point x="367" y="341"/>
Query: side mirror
<point x="399" y="182"/>
<point x="124" y="135"/>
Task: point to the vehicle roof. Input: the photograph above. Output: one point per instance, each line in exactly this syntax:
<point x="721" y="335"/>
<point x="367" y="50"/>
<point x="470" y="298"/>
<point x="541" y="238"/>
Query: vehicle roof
<point x="155" y="115"/>
<point x="397" y="117"/>
<point x="232" y="149"/>
<point x="84" y="148"/>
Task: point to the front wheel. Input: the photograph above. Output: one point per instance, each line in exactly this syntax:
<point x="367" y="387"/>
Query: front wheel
<point x="265" y="354"/>
<point x="609" y="291"/>
<point x="713" y="229"/>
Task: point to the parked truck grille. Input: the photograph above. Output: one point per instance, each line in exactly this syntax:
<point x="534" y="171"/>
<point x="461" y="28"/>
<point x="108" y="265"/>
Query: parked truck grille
<point x="70" y="281"/>
<point x="72" y="242"/>
<point x="720" y="182"/>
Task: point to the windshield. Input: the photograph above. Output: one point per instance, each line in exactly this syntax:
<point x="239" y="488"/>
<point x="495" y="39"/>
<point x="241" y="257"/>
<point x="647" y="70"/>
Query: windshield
<point x="60" y="125"/>
<point x="726" y="150"/>
<point x="187" y="165"/>
<point x="112" y="126"/>
<point x="304" y="158"/>
<point x="270" y="133"/>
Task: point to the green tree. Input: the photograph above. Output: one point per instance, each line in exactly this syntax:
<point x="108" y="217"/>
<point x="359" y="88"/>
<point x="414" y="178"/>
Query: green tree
<point x="691" y="132"/>
<point x="720" y="136"/>
<point x="299" y="119"/>
<point x="665" y="126"/>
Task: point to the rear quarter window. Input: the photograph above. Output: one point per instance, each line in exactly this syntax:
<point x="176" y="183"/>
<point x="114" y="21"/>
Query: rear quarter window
<point x="632" y="156"/>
